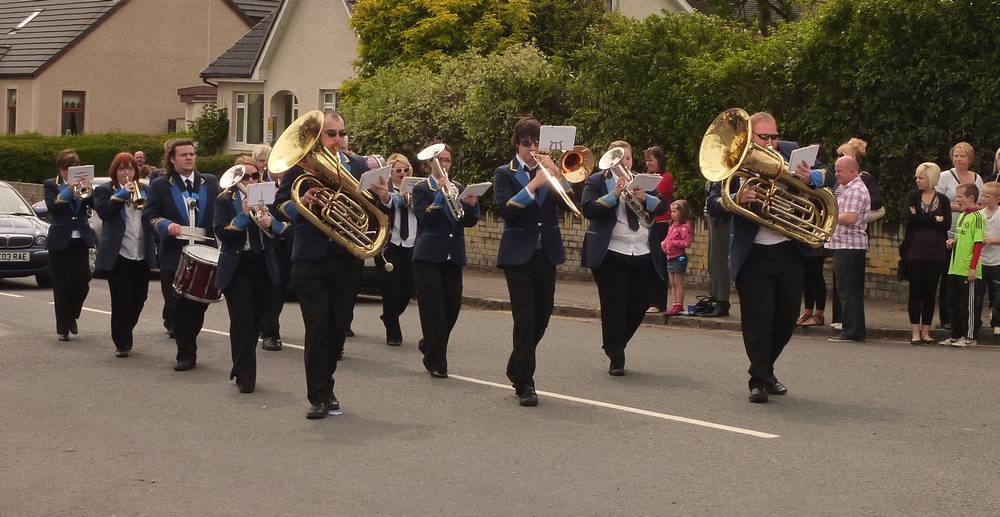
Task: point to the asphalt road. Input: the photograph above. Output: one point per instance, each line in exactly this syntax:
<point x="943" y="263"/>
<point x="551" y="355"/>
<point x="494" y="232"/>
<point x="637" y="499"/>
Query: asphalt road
<point x="866" y="429"/>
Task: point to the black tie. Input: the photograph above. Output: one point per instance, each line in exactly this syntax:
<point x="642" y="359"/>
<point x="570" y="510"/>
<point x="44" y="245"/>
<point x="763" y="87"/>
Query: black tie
<point x="254" y="236"/>
<point x="190" y="186"/>
<point x="633" y="221"/>
<point x="531" y="171"/>
<point x="404" y="222"/>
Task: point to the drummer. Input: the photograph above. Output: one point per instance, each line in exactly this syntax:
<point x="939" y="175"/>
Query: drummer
<point x="173" y="198"/>
<point x="248" y="268"/>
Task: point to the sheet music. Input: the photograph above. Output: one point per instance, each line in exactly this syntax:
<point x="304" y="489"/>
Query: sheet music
<point x="477" y="189"/>
<point x="261" y="193"/>
<point x="371" y="178"/>
<point x="803" y="154"/>
<point x="556" y="138"/>
<point x="408" y="183"/>
<point x="81" y="172"/>
<point x="646" y="182"/>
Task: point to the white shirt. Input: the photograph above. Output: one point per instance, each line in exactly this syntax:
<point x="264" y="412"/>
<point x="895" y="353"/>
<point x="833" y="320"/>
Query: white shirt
<point x="991" y="252"/>
<point x="412" y="238"/>
<point x="132" y="246"/>
<point x="623" y="239"/>
<point x="767" y="237"/>
<point x="947" y="185"/>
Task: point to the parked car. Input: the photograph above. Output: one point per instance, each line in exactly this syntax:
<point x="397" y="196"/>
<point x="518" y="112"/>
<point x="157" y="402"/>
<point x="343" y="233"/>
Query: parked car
<point x="22" y="239"/>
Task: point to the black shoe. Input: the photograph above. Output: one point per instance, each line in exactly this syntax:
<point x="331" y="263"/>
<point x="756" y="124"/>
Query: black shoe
<point x="73" y="329"/>
<point x="719" y="309"/>
<point x="527" y="397"/>
<point x="394" y="341"/>
<point x="758" y="395"/>
<point x="438" y="374"/>
<point x="317" y="411"/>
<point x="183" y="366"/>
<point x="946" y="326"/>
<point x="121" y="353"/>
<point x="63" y="336"/>
<point x="776" y="389"/>
<point x="244" y="388"/>
<point x="421" y="347"/>
<point x="840" y="338"/>
<point x="271" y="344"/>
<point x="170" y="332"/>
<point x="349" y="332"/>
<point x="334" y="404"/>
<point x="616" y="372"/>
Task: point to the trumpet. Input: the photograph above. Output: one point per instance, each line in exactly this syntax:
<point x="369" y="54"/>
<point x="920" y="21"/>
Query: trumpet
<point x="611" y="161"/>
<point x="233" y="177"/>
<point x="430" y="154"/>
<point x="135" y="198"/>
<point x="82" y="190"/>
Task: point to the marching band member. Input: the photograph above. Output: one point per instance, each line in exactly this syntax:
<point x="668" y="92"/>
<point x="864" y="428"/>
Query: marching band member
<point x="270" y="329"/>
<point x="125" y="252"/>
<point x="438" y="259"/>
<point x="530" y="249"/>
<point x="248" y="269"/>
<point x="397" y="285"/>
<point x="325" y="275"/>
<point x="620" y="252"/>
<point x="69" y="241"/>
<point x="166" y="212"/>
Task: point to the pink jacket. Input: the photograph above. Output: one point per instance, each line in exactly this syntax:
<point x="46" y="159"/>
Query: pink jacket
<point x="678" y="239"/>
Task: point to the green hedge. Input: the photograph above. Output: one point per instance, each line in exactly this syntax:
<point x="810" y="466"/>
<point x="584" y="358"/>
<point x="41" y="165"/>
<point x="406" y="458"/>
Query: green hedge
<point x="31" y="157"/>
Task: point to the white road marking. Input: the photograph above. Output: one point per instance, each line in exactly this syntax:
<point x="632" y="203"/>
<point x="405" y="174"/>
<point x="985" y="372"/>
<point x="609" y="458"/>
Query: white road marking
<point x="88" y="309"/>
<point x="11" y="295"/>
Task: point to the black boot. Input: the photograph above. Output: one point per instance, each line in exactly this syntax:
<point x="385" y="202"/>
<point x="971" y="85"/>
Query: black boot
<point x="720" y="309"/>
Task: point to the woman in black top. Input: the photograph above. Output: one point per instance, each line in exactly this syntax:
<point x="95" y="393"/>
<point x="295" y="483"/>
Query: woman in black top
<point x="924" y="252"/>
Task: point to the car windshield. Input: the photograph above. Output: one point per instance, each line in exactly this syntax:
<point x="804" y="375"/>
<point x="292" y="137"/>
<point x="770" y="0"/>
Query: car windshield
<point x="12" y="204"/>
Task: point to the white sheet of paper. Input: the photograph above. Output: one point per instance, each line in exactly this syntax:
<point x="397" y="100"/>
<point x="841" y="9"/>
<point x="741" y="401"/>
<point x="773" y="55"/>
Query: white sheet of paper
<point x="372" y="177"/>
<point x="476" y="189"/>
<point x="81" y="172"/>
<point x="646" y="182"/>
<point x="406" y="186"/>
<point x="261" y="193"/>
<point x="554" y="138"/>
<point x="803" y="154"/>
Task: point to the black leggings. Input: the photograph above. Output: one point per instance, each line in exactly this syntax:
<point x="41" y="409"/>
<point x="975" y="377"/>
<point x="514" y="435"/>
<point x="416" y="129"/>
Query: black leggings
<point x="814" y="285"/>
<point x="923" y="277"/>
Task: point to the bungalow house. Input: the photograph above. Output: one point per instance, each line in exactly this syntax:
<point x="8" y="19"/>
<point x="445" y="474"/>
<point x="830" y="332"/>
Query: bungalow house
<point x="74" y="66"/>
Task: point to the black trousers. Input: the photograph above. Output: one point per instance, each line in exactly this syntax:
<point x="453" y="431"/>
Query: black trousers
<point x="532" y="288"/>
<point x="169" y="298"/>
<point x="397" y="287"/>
<point x="657" y="286"/>
<point x="770" y="289"/>
<point x="991" y="283"/>
<point x="850" y="268"/>
<point x="70" y="271"/>
<point x="326" y="290"/>
<point x="187" y="318"/>
<point x="128" y="282"/>
<point x="944" y="310"/>
<point x="439" y="300"/>
<point x="923" y="276"/>
<point x="621" y="281"/>
<point x="814" y="284"/>
<point x="719" y="230"/>
<point x="963" y="295"/>
<point x="246" y="298"/>
<point x="270" y="326"/>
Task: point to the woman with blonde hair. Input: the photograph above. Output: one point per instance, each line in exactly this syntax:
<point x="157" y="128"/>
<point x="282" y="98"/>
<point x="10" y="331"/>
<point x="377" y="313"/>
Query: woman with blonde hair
<point x="924" y="252"/>
<point x="962" y="156"/>
<point x="397" y="284"/>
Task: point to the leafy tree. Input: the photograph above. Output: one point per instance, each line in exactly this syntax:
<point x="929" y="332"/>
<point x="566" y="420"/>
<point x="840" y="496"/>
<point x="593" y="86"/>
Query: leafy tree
<point x="210" y="129"/>
<point x="560" y="27"/>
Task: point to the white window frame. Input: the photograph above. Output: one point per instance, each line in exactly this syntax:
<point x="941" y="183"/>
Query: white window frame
<point x="241" y="112"/>
<point x="325" y="105"/>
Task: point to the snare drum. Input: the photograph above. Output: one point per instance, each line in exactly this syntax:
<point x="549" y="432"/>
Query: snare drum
<point x="195" y="277"/>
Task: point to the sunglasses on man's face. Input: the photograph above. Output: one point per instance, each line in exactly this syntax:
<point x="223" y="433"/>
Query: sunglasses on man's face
<point x="252" y="176"/>
<point x="528" y="142"/>
<point x="767" y="137"/>
<point x="332" y="133"/>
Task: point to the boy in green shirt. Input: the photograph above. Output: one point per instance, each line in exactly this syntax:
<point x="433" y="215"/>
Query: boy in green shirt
<point x="964" y="292"/>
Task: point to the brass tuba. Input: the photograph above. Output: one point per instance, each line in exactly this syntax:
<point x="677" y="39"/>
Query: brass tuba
<point x="344" y="213"/>
<point x="802" y="213"/>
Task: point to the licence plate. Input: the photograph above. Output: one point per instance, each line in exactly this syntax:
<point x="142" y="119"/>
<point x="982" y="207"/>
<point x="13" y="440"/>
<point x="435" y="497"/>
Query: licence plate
<point x="14" y="256"/>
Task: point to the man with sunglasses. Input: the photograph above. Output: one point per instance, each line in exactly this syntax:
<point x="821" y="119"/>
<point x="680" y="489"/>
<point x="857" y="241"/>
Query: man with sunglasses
<point x="767" y="268"/>
<point x="531" y="247"/>
<point x="325" y="276"/>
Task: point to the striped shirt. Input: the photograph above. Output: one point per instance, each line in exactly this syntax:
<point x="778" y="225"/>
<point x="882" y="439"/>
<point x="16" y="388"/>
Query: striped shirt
<point x="852" y="198"/>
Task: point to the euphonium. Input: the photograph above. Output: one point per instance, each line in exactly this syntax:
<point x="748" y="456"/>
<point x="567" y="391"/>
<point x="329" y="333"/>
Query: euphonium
<point x="800" y="212"/>
<point x="430" y="154"/>
<point x="233" y="177"/>
<point x="341" y="211"/>
<point x="611" y="161"/>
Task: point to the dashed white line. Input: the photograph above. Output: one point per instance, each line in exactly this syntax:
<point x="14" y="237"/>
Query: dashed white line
<point x="11" y="295"/>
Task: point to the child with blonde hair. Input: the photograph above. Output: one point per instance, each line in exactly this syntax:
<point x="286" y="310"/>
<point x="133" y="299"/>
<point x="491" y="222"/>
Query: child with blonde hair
<point x="675" y="246"/>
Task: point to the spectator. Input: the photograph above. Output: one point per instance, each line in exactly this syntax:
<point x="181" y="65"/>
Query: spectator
<point x="991" y="251"/>
<point x="849" y="245"/>
<point x="145" y="171"/>
<point x="140" y="158"/>
<point x="675" y="246"/>
<point x="965" y="269"/>
<point x="656" y="163"/>
<point x="924" y="253"/>
<point x="156" y="173"/>
<point x="962" y="155"/>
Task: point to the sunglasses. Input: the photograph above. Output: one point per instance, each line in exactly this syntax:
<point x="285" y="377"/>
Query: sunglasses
<point x="403" y="170"/>
<point x="332" y="133"/>
<point x="766" y="137"/>
<point x="528" y="142"/>
<point x="252" y="176"/>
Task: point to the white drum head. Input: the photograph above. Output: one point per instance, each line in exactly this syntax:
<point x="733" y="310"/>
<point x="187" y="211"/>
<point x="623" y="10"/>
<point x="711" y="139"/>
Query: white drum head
<point x="202" y="253"/>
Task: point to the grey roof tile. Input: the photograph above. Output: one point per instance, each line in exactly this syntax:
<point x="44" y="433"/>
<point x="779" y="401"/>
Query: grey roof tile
<point x="239" y="60"/>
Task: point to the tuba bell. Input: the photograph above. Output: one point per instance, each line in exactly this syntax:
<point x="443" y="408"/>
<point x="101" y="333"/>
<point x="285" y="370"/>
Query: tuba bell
<point x="344" y="213"/>
<point x="802" y="213"/>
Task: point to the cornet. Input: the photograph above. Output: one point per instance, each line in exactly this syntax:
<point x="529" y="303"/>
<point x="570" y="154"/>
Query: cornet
<point x="82" y="191"/>
<point x="233" y="177"/>
<point x="611" y="161"/>
<point x="135" y="198"/>
<point x="430" y="154"/>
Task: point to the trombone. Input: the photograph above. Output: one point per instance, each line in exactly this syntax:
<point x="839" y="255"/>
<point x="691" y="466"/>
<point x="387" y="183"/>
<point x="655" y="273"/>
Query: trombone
<point x="574" y="166"/>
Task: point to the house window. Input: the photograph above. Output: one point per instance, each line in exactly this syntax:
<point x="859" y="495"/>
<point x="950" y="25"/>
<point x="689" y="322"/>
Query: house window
<point x="72" y="113"/>
<point x="11" y="112"/>
<point x="328" y="100"/>
<point x="249" y="118"/>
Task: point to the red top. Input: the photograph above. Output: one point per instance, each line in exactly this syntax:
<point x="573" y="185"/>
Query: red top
<point x="678" y="239"/>
<point x="666" y="190"/>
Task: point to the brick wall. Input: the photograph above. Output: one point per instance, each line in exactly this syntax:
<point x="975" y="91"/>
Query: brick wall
<point x="880" y="282"/>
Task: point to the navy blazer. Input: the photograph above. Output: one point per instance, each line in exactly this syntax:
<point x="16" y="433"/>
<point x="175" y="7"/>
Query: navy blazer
<point x="309" y="242"/>
<point x="233" y="228"/>
<point x="67" y="214"/>
<point x="439" y="234"/>
<point x="744" y="230"/>
<point x="166" y="205"/>
<point x="524" y="218"/>
<point x="600" y="206"/>
<point x="110" y="206"/>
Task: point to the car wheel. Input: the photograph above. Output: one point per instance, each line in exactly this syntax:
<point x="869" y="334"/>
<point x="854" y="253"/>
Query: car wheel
<point x="43" y="280"/>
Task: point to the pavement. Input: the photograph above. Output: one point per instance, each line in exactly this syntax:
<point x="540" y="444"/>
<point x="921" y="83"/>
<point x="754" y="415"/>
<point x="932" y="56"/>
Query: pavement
<point x="886" y="320"/>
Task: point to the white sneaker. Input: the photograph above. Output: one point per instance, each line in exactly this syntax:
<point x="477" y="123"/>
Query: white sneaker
<point x="996" y="331"/>
<point x="947" y="342"/>
<point x="964" y="343"/>
<point x="838" y="325"/>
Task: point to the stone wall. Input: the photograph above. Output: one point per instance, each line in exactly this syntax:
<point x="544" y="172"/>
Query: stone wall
<point x="880" y="282"/>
